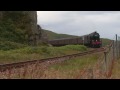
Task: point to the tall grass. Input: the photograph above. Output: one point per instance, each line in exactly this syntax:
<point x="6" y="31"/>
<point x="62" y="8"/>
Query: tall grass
<point x="116" y="70"/>
<point x="8" y="45"/>
<point x="71" y="69"/>
<point x="31" y="53"/>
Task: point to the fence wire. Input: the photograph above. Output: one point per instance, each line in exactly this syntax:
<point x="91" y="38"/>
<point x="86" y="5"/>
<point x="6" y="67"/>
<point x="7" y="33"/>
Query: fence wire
<point x="111" y="54"/>
<point x="103" y="68"/>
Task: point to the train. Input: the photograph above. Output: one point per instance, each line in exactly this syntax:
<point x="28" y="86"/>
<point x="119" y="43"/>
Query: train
<point x="90" y="40"/>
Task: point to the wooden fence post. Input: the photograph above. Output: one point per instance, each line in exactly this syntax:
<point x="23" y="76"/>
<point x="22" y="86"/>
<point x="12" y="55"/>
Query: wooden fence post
<point x="116" y="47"/>
<point x="113" y="51"/>
<point x="105" y="60"/>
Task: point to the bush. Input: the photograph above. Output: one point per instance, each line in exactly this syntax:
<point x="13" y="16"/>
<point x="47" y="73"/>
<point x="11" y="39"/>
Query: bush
<point x="7" y="45"/>
<point x="18" y="52"/>
<point x="13" y="27"/>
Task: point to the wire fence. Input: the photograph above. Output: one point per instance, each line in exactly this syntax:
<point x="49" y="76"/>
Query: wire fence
<point x="112" y="54"/>
<point x="107" y="59"/>
<point x="103" y="68"/>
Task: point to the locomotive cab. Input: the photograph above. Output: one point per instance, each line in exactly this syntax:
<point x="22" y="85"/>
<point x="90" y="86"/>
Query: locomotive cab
<point x="95" y="40"/>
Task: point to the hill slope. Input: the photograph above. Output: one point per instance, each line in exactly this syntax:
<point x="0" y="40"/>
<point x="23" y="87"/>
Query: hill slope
<point x="52" y="35"/>
<point x="105" y="41"/>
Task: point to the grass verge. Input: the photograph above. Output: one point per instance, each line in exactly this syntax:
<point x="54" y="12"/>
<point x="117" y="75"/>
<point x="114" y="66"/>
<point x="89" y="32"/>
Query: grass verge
<point x="32" y="53"/>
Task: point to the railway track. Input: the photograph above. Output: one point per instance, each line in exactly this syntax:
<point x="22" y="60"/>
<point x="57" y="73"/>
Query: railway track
<point x="10" y="66"/>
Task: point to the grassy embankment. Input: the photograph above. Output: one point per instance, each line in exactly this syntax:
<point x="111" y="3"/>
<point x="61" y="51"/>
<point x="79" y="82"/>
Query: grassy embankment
<point x="116" y="70"/>
<point x="32" y="53"/>
<point x="70" y="69"/>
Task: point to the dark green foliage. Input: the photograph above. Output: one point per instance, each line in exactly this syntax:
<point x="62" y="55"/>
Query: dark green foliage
<point x="7" y="45"/>
<point x="9" y="32"/>
<point x="19" y="18"/>
<point x="14" y="30"/>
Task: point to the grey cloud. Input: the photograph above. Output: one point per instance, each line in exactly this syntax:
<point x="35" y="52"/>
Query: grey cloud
<point x="107" y="23"/>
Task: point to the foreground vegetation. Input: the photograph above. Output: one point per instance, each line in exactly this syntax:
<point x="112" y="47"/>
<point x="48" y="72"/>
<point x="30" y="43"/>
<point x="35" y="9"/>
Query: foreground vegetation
<point x="116" y="70"/>
<point x="71" y="69"/>
<point x="40" y="52"/>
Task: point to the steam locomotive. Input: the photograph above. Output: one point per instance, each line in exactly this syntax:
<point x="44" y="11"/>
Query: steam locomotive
<point x="90" y="40"/>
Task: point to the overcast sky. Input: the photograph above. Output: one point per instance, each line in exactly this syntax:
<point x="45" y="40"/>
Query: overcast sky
<point x="107" y="23"/>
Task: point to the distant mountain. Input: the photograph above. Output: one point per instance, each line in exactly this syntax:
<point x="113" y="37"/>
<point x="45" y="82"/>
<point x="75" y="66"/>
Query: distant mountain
<point x="52" y="35"/>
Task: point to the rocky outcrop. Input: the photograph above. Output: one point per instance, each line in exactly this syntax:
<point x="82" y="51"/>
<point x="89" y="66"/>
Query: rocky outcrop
<point x="26" y="20"/>
<point x="42" y="35"/>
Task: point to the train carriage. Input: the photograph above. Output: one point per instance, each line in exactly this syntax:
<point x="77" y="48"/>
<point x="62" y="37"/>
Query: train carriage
<point x="80" y="40"/>
<point x="91" y="40"/>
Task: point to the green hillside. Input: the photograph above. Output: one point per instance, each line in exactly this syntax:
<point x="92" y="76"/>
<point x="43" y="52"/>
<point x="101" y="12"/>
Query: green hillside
<point x="105" y="41"/>
<point x="52" y="35"/>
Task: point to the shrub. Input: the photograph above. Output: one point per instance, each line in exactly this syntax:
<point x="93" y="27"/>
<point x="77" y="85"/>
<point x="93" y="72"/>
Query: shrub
<point x="7" y="45"/>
